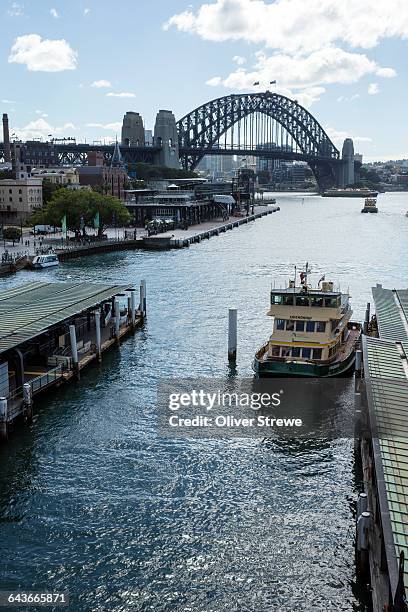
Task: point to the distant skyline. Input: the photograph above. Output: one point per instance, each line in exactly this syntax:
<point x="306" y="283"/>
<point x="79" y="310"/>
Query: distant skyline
<point x="74" y="69"/>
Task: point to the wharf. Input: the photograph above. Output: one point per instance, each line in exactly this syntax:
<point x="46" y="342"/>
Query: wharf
<point x="382" y="400"/>
<point x="49" y="332"/>
<point x="177" y="239"/>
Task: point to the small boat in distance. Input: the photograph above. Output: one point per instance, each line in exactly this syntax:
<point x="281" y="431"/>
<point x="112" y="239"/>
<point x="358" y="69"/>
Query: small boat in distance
<point x="312" y="332"/>
<point x="350" y="193"/>
<point x="45" y="261"/>
<point x="370" y="206"/>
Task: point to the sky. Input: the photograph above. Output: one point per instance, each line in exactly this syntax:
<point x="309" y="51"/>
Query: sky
<point x="74" y="67"/>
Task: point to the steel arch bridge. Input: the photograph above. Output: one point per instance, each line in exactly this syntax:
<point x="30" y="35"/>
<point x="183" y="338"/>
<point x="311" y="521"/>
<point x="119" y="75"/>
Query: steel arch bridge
<point x="261" y="124"/>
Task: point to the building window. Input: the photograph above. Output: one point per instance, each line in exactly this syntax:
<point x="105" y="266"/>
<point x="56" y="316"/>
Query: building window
<point x="20" y="191"/>
<point x="20" y="199"/>
<point x="321" y="326"/>
<point x="290" y="325"/>
<point x="306" y="353"/>
<point x="317" y="353"/>
<point x="300" y="326"/>
<point x="280" y="323"/>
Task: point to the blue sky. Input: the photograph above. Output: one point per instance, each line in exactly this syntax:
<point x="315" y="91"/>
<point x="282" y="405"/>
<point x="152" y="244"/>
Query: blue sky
<point x="345" y="61"/>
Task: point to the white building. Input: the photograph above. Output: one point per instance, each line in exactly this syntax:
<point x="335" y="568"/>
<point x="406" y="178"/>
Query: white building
<point x="66" y="177"/>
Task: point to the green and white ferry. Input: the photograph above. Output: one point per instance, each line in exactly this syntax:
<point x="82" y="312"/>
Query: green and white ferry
<point x="312" y="332"/>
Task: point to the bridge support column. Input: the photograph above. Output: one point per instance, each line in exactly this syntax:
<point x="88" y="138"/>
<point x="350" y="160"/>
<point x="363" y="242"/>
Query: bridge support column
<point x="165" y="133"/>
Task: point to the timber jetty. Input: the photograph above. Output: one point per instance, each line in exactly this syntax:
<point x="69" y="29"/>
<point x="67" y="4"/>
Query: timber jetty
<point x="49" y="332"/>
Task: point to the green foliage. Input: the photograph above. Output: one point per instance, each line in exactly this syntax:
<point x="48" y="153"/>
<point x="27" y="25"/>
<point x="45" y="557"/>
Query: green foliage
<point x="369" y="176"/>
<point x="6" y="174"/>
<point x="49" y="189"/>
<point x="12" y="233"/>
<point x="82" y="205"/>
<point x="148" y="171"/>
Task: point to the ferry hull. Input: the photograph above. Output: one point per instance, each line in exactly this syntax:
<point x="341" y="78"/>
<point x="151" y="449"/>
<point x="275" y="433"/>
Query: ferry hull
<point x="283" y="369"/>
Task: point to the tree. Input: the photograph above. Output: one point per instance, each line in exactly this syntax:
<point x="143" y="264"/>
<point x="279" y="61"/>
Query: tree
<point x="48" y="190"/>
<point x="80" y="208"/>
<point x="12" y="233"/>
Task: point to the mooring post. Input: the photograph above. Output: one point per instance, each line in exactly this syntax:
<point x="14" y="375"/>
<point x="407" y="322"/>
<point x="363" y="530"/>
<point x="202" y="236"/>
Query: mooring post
<point x="28" y="401"/>
<point x="367" y="318"/>
<point x="232" y="334"/>
<point x="359" y="361"/>
<point x="98" y="334"/>
<point x="133" y="306"/>
<point x="362" y="503"/>
<point x="117" y="320"/>
<point x="74" y="349"/>
<point x="144" y="309"/>
<point x="3" y="418"/>
<point x="362" y="545"/>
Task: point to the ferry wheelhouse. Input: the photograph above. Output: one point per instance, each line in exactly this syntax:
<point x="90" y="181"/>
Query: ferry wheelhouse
<point x="370" y="206"/>
<point x="45" y="261"/>
<point x="312" y="332"/>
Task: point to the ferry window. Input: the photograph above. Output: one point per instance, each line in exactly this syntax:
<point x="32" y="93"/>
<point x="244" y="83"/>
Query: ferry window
<point x="310" y="326"/>
<point x="316" y="301"/>
<point x="334" y="324"/>
<point x="276" y="299"/>
<point x="285" y="351"/>
<point x="330" y="302"/>
<point x="275" y="351"/>
<point x="295" y="351"/>
<point x="301" y="300"/>
<point x="300" y="326"/>
<point x="280" y="323"/>
<point x="321" y="326"/>
<point x="290" y="325"/>
<point x="306" y="352"/>
<point x="287" y="300"/>
<point x="317" y="353"/>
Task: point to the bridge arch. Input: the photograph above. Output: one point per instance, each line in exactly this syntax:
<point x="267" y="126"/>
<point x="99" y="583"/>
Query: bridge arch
<point x="200" y="130"/>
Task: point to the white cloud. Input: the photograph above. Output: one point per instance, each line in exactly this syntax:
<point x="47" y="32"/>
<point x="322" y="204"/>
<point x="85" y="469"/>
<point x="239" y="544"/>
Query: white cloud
<point x="42" y="129"/>
<point x="40" y="112"/>
<point x="42" y="54"/>
<point x="348" y="98"/>
<point x="54" y="13"/>
<point x="373" y="89"/>
<point x="239" y="60"/>
<point x="102" y="83"/>
<point x="296" y="25"/>
<point x="308" y="73"/>
<point x="338" y="137"/>
<point x="214" y="81"/>
<point x="122" y="94"/>
<point x="111" y="127"/>
<point x="87" y="11"/>
<point x="15" y="10"/>
<point x="7" y="102"/>
<point x="386" y="72"/>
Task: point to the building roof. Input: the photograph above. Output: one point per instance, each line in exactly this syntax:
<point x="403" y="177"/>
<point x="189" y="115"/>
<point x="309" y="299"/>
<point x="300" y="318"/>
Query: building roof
<point x="386" y="375"/>
<point x="391" y="306"/>
<point x="28" y="310"/>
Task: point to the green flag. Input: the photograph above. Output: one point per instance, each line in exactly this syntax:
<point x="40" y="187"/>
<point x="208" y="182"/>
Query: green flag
<point x="96" y="220"/>
<point x="64" y="224"/>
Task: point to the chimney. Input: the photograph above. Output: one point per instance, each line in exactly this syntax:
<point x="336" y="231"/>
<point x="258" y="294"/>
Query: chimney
<point x="6" y="139"/>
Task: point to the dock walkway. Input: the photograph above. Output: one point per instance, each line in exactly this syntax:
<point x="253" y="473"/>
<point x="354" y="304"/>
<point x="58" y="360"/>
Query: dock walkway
<point x="49" y="332"/>
<point x="384" y="450"/>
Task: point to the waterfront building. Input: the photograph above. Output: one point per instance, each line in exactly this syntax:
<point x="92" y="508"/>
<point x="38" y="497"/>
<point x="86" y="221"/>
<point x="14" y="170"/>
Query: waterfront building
<point x="19" y="198"/>
<point x="133" y="134"/>
<point x="65" y="177"/>
<point x="108" y="179"/>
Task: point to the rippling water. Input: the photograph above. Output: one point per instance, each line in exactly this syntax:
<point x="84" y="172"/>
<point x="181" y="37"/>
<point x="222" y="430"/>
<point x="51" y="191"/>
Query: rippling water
<point x="93" y="502"/>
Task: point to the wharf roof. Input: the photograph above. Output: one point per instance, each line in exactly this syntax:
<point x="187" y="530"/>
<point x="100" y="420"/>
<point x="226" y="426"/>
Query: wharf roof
<point x="386" y="375"/>
<point x="29" y="310"/>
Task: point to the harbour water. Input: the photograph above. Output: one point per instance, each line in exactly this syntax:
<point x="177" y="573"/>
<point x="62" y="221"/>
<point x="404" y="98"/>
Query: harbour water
<point x="94" y="503"/>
